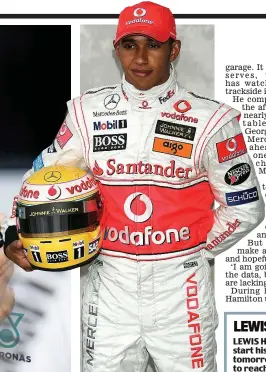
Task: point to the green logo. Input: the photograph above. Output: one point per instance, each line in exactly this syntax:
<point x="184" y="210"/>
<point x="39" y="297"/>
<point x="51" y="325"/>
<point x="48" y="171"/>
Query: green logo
<point x="9" y="334"/>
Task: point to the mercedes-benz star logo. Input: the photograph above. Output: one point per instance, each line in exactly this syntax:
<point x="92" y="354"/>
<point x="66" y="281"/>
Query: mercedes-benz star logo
<point x="111" y="101"/>
<point x="52" y="176"/>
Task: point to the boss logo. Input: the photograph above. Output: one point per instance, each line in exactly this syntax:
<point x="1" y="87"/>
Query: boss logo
<point x="56" y="257"/>
<point x="109" y="142"/>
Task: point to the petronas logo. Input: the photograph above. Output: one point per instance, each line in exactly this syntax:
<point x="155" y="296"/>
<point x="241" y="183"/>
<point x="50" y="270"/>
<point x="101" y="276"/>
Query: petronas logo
<point x="9" y="334"/>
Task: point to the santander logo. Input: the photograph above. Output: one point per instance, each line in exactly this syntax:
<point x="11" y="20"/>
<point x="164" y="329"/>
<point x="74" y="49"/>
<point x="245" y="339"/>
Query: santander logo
<point x="128" y="206"/>
<point x="97" y="170"/>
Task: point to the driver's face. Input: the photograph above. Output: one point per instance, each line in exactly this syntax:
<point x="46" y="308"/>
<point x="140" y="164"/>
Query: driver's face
<point x="145" y="61"/>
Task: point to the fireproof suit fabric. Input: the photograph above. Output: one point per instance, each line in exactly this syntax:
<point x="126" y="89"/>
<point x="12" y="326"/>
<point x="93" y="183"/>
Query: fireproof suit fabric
<point x="161" y="159"/>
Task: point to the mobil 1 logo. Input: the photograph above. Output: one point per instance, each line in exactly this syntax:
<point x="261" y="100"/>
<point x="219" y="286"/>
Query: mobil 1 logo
<point x="110" y="142"/>
<point x="35" y="251"/>
<point x="78" y="247"/>
<point x="56" y="257"/>
<point x="107" y="125"/>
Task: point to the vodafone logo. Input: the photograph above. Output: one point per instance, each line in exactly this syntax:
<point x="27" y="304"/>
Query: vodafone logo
<point x="63" y="129"/>
<point x="139" y="12"/>
<point x="145" y="104"/>
<point x="231" y="145"/>
<point x="182" y="106"/>
<point x="129" y="204"/>
<point x="54" y="192"/>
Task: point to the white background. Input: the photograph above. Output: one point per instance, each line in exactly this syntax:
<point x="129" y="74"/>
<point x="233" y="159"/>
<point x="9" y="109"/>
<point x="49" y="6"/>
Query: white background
<point x="104" y="6"/>
<point x="236" y="42"/>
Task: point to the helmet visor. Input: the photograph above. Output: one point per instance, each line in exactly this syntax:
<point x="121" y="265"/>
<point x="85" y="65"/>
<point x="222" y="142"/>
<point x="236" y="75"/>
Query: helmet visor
<point x="55" y="219"/>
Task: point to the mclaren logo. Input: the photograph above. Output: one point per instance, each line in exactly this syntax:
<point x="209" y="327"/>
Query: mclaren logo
<point x="111" y="101"/>
<point x="52" y="176"/>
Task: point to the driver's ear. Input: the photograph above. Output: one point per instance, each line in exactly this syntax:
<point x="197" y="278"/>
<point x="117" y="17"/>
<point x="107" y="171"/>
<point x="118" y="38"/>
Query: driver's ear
<point x="175" y="50"/>
<point x="117" y="51"/>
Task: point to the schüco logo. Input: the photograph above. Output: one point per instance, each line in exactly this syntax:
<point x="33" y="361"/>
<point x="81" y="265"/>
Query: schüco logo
<point x="139" y="208"/>
<point x="84" y="185"/>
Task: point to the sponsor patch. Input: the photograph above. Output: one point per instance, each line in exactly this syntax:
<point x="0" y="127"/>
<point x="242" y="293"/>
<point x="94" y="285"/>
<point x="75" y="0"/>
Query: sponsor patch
<point x="139" y="20"/>
<point x="187" y="265"/>
<point x="175" y="148"/>
<point x="182" y="106"/>
<point x="35" y="251"/>
<point x="175" y="130"/>
<point x="139" y="12"/>
<point x="79" y="249"/>
<point x="180" y="117"/>
<point x="169" y="94"/>
<point x="56" y="257"/>
<point x="64" y="135"/>
<point x="107" y="125"/>
<point x="111" y="101"/>
<point x="98" y="90"/>
<point x="238" y="174"/>
<point x="242" y="197"/>
<point x="230" y="228"/>
<point x="110" y="142"/>
<point x="51" y="149"/>
<point x="145" y="105"/>
<point x="231" y="148"/>
<point x="93" y="245"/>
<point x="170" y="170"/>
<point x="38" y="163"/>
<point x="200" y="97"/>
<point x="109" y="113"/>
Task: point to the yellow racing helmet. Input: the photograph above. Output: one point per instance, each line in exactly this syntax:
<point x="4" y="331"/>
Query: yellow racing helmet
<point x="58" y="218"/>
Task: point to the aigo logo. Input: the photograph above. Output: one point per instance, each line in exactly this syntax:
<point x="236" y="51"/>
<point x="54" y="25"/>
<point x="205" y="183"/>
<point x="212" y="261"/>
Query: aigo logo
<point x="139" y="218"/>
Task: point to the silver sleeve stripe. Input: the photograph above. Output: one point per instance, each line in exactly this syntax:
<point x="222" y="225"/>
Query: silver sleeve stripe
<point x="153" y="256"/>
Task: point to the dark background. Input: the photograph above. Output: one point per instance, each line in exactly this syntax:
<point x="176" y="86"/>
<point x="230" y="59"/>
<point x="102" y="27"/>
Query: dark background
<point x="35" y="84"/>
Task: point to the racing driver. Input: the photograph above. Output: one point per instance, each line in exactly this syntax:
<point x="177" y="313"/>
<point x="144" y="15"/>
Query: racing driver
<point x="162" y="155"/>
